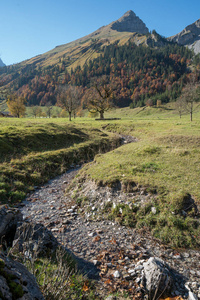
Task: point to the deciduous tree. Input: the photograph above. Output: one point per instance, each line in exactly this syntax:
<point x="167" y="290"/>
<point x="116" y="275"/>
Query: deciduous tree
<point x="100" y="95"/>
<point x="16" y="105"/>
<point x="36" y="111"/>
<point x="191" y="96"/>
<point x="180" y="106"/>
<point x="49" y="108"/>
<point x="69" y="98"/>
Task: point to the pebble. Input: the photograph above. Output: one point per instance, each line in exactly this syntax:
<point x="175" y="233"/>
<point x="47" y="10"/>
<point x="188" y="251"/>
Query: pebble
<point x="116" y="274"/>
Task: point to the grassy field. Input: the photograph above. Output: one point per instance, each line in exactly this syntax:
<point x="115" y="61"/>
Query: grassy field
<point x="164" y="160"/>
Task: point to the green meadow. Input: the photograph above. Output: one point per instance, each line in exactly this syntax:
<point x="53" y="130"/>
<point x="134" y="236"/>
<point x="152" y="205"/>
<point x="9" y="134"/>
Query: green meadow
<point x="164" y="160"/>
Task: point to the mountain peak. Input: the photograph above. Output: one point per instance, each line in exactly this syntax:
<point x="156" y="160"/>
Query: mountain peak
<point x="131" y="23"/>
<point x="1" y="63"/>
<point x="190" y="36"/>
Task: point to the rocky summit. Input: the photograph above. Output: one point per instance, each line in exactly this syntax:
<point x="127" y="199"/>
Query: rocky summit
<point x="190" y="36"/>
<point x="129" y="22"/>
<point x="1" y="63"/>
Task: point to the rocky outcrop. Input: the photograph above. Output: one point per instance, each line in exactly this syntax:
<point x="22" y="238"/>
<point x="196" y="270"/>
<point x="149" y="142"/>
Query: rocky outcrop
<point x="190" y="36"/>
<point x="32" y="237"/>
<point x="9" y="218"/>
<point x="131" y="23"/>
<point x="16" y="282"/>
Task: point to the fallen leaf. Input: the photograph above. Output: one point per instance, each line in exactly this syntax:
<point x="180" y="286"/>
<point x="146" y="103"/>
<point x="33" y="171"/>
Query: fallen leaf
<point x="85" y="287"/>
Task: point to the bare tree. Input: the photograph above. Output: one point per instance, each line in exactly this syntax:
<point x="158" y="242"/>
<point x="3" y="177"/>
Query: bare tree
<point x="69" y="98"/>
<point x="100" y="95"/>
<point x="191" y="96"/>
<point x="49" y="108"/>
<point x="180" y="105"/>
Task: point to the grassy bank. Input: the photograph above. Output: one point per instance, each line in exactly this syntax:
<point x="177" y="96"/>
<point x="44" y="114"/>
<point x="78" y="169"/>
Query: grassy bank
<point x="34" y="151"/>
<point x="165" y="162"/>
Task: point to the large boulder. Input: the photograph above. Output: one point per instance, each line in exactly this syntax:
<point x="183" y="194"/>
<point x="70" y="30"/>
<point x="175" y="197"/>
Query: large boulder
<point x="16" y="282"/>
<point x="161" y="280"/>
<point x="9" y="218"/>
<point x="34" y="238"/>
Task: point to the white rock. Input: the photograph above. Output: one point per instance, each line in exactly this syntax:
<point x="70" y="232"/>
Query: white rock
<point x="130" y="271"/>
<point x="185" y="254"/>
<point x="140" y="267"/>
<point x="153" y="210"/>
<point x="91" y="234"/>
<point x="116" y="274"/>
<point x="192" y="296"/>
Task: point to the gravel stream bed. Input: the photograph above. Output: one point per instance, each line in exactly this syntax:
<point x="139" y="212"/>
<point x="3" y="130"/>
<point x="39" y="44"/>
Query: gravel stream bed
<point x="105" y="251"/>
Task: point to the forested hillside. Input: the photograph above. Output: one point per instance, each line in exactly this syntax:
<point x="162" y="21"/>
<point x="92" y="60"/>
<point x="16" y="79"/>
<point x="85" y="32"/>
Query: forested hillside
<point x="139" y="72"/>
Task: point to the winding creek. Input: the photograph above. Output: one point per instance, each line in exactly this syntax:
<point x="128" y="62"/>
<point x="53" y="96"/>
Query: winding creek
<point x="104" y="249"/>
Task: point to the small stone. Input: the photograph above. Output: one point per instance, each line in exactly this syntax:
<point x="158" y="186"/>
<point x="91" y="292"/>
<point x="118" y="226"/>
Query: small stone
<point x="116" y="274"/>
<point x="131" y="271"/>
<point x="91" y="234"/>
<point x="195" y="285"/>
<point x="185" y="254"/>
<point x="109" y="265"/>
<point x="138" y="280"/>
<point x="177" y="256"/>
<point x="192" y="272"/>
<point x="140" y="267"/>
<point x="153" y="210"/>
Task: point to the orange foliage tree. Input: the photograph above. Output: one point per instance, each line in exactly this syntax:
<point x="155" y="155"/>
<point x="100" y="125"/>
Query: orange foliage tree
<point x="16" y="105"/>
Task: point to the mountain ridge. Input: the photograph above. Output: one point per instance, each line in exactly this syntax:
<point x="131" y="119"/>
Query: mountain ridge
<point x="189" y="36"/>
<point x="105" y="35"/>
<point x="2" y="63"/>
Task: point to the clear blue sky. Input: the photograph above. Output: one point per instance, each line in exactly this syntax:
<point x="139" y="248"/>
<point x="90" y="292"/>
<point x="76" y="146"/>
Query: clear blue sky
<point x="29" y="28"/>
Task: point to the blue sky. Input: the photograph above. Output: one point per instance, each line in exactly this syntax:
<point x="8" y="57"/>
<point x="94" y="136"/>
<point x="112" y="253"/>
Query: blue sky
<point x="29" y="28"/>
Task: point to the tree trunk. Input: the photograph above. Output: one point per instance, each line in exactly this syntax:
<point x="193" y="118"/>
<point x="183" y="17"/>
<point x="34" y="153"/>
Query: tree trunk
<point x="101" y="114"/>
<point x="70" y="115"/>
<point x="191" y="111"/>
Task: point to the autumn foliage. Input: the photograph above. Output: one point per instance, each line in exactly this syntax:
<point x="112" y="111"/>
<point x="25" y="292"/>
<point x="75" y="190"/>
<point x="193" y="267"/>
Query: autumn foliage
<point x="16" y="105"/>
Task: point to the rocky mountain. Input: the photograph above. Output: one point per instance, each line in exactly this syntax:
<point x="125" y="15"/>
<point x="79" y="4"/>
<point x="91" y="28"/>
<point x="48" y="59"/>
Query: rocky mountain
<point x="1" y="63"/>
<point x="131" y="23"/>
<point x="129" y="26"/>
<point x="190" y="36"/>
